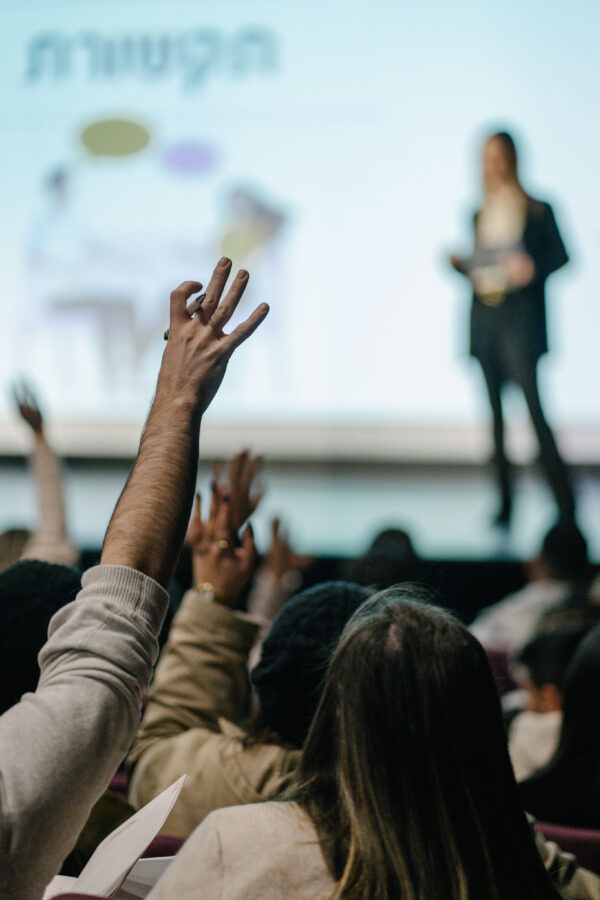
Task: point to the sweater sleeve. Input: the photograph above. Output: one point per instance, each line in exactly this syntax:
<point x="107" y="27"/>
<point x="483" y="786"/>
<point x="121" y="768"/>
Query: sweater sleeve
<point x="60" y="746"/>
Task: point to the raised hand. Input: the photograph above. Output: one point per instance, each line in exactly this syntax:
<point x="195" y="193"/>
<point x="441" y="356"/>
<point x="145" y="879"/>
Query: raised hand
<point x="217" y="560"/>
<point x="240" y="485"/>
<point x="150" y="520"/>
<point x="198" y="349"/>
<point x="28" y="407"/>
<point x="281" y="559"/>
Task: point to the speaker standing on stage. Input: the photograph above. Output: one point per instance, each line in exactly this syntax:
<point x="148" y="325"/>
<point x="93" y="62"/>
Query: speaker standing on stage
<point x="517" y="246"/>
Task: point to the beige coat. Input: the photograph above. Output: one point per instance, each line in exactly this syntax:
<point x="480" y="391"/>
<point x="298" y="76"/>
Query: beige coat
<point x="199" y="693"/>
<point x="271" y="851"/>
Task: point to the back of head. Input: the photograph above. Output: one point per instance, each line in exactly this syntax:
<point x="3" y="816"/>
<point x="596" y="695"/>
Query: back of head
<point x="390" y="559"/>
<point x="405" y="770"/>
<point x="294" y="658"/>
<point x="581" y="721"/>
<point x="30" y="593"/>
<point x="564" y="552"/>
<point x="567" y="789"/>
<point x="548" y="655"/>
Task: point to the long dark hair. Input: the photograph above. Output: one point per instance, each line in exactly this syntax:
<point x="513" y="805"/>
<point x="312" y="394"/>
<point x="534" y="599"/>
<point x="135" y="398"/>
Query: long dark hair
<point x="567" y="789"/>
<point x="405" y="771"/>
<point x="509" y="148"/>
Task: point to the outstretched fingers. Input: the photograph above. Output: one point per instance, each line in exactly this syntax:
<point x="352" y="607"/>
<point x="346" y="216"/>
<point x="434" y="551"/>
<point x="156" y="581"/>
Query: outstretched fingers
<point x="224" y="311"/>
<point x="246" y="328"/>
<point x="215" y="288"/>
<point x="247" y="551"/>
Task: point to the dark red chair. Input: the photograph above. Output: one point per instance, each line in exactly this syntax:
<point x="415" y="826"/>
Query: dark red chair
<point x="164" y="845"/>
<point x="499" y="663"/>
<point x="119" y="784"/>
<point x="583" y="843"/>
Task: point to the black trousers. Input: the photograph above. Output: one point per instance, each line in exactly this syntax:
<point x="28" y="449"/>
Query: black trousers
<point x="506" y="364"/>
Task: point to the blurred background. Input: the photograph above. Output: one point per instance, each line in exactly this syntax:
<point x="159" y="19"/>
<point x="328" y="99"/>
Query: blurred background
<point x="334" y="151"/>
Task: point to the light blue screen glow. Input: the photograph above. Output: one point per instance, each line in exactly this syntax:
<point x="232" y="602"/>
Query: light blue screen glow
<point x="332" y="149"/>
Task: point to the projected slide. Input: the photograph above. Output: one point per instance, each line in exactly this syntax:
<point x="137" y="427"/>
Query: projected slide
<point x="332" y="150"/>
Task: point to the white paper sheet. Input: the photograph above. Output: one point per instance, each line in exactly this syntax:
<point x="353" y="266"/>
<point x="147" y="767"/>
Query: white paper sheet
<point x="116" y="856"/>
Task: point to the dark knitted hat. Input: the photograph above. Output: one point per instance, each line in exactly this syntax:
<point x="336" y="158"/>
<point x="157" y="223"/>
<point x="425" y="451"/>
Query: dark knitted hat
<point x="30" y="593"/>
<point x="296" y="653"/>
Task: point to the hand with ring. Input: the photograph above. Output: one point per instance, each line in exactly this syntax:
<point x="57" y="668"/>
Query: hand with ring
<point x="217" y="556"/>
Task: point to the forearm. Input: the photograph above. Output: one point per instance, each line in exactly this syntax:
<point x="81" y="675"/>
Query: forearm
<point x="61" y="745"/>
<point x="49" y="540"/>
<point x="202" y="674"/>
<point x="149" y="522"/>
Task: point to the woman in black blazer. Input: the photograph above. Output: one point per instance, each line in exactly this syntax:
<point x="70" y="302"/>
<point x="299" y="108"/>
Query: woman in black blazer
<point x="517" y="246"/>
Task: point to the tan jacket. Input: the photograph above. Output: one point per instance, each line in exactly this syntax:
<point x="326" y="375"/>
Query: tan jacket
<point x="272" y="852"/>
<point x="199" y="693"/>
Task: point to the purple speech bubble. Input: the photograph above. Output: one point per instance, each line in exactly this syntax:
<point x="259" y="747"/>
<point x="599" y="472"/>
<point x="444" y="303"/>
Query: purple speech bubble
<point x="190" y="158"/>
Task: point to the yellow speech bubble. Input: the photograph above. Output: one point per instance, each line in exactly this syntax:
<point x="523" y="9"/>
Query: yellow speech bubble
<point x="114" y="137"/>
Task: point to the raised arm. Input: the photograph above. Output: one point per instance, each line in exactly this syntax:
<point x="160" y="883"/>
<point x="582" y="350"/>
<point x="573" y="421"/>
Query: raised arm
<point x="149" y="523"/>
<point x="60" y="746"/>
<point x="49" y="541"/>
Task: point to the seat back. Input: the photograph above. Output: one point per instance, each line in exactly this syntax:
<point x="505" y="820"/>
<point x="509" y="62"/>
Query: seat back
<point x="584" y="843"/>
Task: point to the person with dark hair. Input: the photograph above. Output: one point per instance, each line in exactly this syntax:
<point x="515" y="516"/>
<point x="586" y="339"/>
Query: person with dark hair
<point x="198" y="719"/>
<point x="561" y="567"/>
<point x="567" y="790"/>
<point x="517" y="247"/>
<point x="390" y="559"/>
<point x="405" y="788"/>
<point x="30" y="593"/>
<point x="541" y="668"/>
<point x="60" y="746"/>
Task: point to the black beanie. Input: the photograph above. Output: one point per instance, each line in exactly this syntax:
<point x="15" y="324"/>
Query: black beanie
<point x="294" y="658"/>
<point x="30" y="593"/>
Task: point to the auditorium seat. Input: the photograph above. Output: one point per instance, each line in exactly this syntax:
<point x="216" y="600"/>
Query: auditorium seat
<point x="499" y="663"/>
<point x="163" y="845"/>
<point x="584" y="843"/>
<point x="119" y="784"/>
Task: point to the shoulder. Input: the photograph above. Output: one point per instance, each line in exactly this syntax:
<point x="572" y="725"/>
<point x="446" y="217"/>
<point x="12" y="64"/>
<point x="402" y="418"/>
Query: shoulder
<point x="274" y="830"/>
<point x="263" y="851"/>
<point x="538" y="210"/>
<point x="270" y="822"/>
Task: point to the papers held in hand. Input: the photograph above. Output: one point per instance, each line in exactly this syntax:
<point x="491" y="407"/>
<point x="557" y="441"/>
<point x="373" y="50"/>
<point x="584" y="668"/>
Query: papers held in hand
<point x="117" y="855"/>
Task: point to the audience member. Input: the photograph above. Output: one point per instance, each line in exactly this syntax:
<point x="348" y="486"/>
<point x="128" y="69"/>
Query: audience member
<point x="31" y="592"/>
<point x="199" y="696"/>
<point x="61" y="744"/>
<point x="49" y="541"/>
<point x="567" y="790"/>
<point x="560" y="567"/>
<point x="405" y="786"/>
<point x="541" y="666"/>
<point x="580" y="608"/>
<point x="390" y="559"/>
